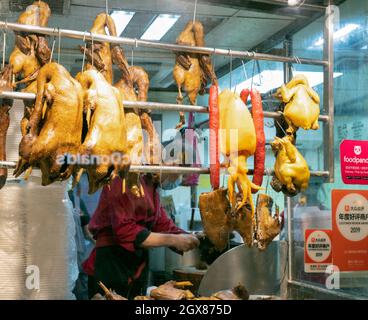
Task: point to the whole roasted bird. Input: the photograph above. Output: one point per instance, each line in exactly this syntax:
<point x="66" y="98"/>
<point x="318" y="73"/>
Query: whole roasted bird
<point x="219" y="220"/>
<point x="291" y="170"/>
<point x="99" y="53"/>
<point x="5" y="105"/>
<point x="237" y="142"/>
<point x="192" y="70"/>
<point x="31" y="51"/>
<point x="268" y="226"/>
<point x="106" y="138"/>
<point x="134" y="85"/>
<point x="302" y="104"/>
<point x="54" y="131"/>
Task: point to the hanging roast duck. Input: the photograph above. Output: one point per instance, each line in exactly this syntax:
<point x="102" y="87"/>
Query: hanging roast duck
<point x="192" y="70"/>
<point x="31" y="51"/>
<point x="107" y="136"/>
<point x="99" y="53"/>
<point x="134" y="85"/>
<point x="54" y="131"/>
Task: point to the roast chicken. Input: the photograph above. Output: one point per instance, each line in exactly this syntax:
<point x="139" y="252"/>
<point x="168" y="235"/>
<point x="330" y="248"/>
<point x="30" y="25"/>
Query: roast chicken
<point x="291" y="170"/>
<point x="5" y="105"/>
<point x="268" y="227"/>
<point x="99" y="56"/>
<point x="301" y="104"/>
<point x="192" y="70"/>
<point x="219" y="220"/>
<point x="237" y="138"/>
<point x="107" y="135"/>
<point x="54" y="131"/>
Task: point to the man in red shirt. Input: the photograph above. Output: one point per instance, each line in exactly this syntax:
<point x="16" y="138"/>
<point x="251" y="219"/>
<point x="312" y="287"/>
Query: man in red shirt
<point x="125" y="226"/>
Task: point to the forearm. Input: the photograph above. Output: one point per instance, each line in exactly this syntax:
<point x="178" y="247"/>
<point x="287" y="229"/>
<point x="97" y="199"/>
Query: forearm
<point x="155" y="240"/>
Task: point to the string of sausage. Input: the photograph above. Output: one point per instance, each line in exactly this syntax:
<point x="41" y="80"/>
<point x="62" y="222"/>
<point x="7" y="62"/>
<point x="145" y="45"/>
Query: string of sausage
<point x="214" y="137"/>
<point x="258" y="120"/>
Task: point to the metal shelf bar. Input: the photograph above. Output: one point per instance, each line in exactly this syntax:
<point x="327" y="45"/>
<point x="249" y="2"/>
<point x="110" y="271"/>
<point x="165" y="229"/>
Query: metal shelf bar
<point x="149" y="105"/>
<point x="157" y="45"/>
<point x="174" y="169"/>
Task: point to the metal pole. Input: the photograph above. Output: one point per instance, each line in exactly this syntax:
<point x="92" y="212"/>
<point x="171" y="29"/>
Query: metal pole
<point x="172" y="169"/>
<point x="328" y="91"/>
<point x="287" y="77"/>
<point x="157" y="45"/>
<point x="148" y="105"/>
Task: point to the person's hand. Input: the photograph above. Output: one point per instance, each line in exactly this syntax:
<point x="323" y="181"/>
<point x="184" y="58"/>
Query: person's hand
<point x="185" y="242"/>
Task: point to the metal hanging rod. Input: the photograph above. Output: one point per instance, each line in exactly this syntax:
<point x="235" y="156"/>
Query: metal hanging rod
<point x="149" y="105"/>
<point x="157" y="45"/>
<point x="176" y="170"/>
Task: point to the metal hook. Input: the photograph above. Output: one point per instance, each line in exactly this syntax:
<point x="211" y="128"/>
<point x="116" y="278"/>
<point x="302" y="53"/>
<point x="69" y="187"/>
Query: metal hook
<point x="4" y="49"/>
<point x="92" y="49"/>
<point x="195" y="11"/>
<point x="268" y="173"/>
<point x="53" y="45"/>
<point x="84" y="50"/>
<point x="107" y="6"/>
<point x="132" y="59"/>
<point x="244" y="71"/>
<point x="231" y="67"/>
<point x="59" y="45"/>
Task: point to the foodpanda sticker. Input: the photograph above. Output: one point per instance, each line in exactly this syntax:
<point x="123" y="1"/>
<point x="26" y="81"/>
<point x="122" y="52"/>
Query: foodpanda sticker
<point x="354" y="162"/>
<point x="317" y="251"/>
<point x="350" y="229"/>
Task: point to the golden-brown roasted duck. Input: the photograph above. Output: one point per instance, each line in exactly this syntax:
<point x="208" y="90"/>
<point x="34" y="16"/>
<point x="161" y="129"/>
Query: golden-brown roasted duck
<point x="237" y="142"/>
<point x="134" y="85"/>
<point x="54" y="131"/>
<point x="99" y="57"/>
<point x="192" y="70"/>
<point x="31" y="51"/>
<point x="268" y="227"/>
<point x="219" y="220"/>
<point x="5" y="105"/>
<point x="291" y="170"/>
<point x="214" y="208"/>
<point x="107" y="136"/>
<point x="302" y="104"/>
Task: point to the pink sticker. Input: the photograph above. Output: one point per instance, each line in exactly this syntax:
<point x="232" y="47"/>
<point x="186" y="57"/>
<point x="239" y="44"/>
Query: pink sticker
<point x="354" y="162"/>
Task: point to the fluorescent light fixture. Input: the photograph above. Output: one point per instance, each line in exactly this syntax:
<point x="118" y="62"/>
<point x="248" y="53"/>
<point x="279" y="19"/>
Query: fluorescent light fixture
<point x="121" y="19"/>
<point x="160" y="26"/>
<point x="269" y="80"/>
<point x="339" y="34"/>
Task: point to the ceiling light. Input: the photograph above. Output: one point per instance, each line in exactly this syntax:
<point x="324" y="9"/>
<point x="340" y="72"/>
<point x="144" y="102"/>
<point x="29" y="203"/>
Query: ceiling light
<point x="269" y="80"/>
<point x="294" y="3"/>
<point x="339" y="34"/>
<point x="160" y="26"/>
<point x="121" y="19"/>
